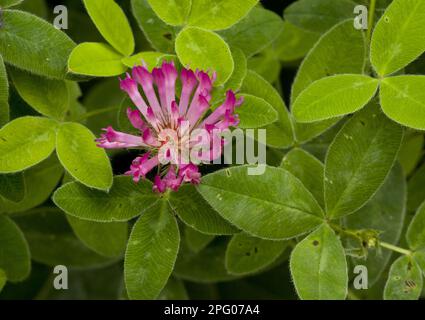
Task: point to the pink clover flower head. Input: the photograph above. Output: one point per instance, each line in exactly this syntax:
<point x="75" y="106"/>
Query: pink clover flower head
<point x="177" y="130"/>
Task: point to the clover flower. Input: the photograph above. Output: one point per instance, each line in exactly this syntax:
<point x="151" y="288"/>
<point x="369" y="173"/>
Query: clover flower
<point x="177" y="134"/>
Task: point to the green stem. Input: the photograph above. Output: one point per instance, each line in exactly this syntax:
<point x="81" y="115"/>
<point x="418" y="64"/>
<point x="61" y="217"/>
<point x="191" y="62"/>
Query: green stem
<point x="371" y="20"/>
<point x="354" y="234"/>
<point x="395" y="248"/>
<point x="96" y="112"/>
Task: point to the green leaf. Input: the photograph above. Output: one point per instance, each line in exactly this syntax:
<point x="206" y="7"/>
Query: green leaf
<point x="419" y="257"/>
<point x="319" y="16"/>
<point x="246" y="254"/>
<point x="359" y="160"/>
<point x="24" y="142"/>
<point x="294" y="42"/>
<point x="151" y="252"/>
<point x="217" y="14"/>
<point x="239" y="72"/>
<point x="112" y="23"/>
<point x="195" y="212"/>
<point x="46" y="174"/>
<point x="403" y="100"/>
<point x="172" y="12"/>
<point x="9" y="3"/>
<point x="404" y="281"/>
<point x="96" y="59"/>
<point x="53" y="243"/>
<point x="151" y="58"/>
<point x="411" y="151"/>
<point x="48" y="97"/>
<point x="12" y="187"/>
<point x="207" y="266"/>
<point x="32" y="44"/>
<point x="272" y="206"/>
<point x="106" y="239"/>
<point x="319" y="267"/>
<point x="14" y="252"/>
<point x="416" y="232"/>
<point x="160" y="35"/>
<point x="324" y="61"/>
<point x="280" y="133"/>
<point x="125" y="201"/>
<point x="74" y="143"/>
<point x="308" y="169"/>
<point x="254" y="32"/>
<point x="415" y="190"/>
<point x="384" y="212"/>
<point x="334" y="96"/>
<point x="195" y="240"/>
<point x="398" y="38"/>
<point x="4" y="94"/>
<point x="205" y="50"/>
<point x="255" y="112"/>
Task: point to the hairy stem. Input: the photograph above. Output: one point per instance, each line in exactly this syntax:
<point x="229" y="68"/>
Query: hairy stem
<point x="371" y="20"/>
<point x="395" y="248"/>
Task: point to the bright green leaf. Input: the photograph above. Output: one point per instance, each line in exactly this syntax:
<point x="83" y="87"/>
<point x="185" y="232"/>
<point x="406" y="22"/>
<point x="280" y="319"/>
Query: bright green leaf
<point x="239" y="73"/>
<point x="205" y="50"/>
<point x="308" y="169"/>
<point x="173" y="12"/>
<point x="48" y="97"/>
<point x="32" y="44"/>
<point x="246" y="254"/>
<point x="77" y="151"/>
<point x="359" y="160"/>
<point x="319" y="267"/>
<point x="218" y="14"/>
<point x="324" y="60"/>
<point x="255" y="112"/>
<point x="96" y="59"/>
<point x="194" y="211"/>
<point x="126" y="200"/>
<point x="151" y="58"/>
<point x="151" y="252"/>
<point x="272" y="206"/>
<point x="14" y="253"/>
<point x="334" y="96"/>
<point x="403" y="100"/>
<point x="25" y="142"/>
<point x="404" y="280"/>
<point x="398" y="38"/>
<point x="106" y="239"/>
<point x="112" y="23"/>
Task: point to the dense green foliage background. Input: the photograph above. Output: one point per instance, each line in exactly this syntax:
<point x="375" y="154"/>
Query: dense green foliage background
<point x="344" y="185"/>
